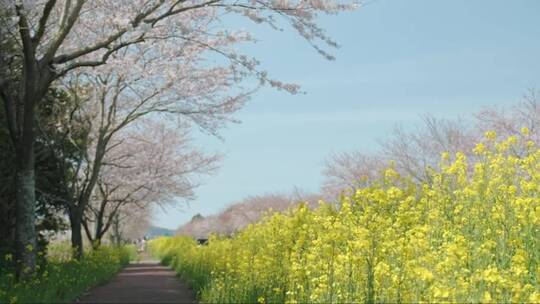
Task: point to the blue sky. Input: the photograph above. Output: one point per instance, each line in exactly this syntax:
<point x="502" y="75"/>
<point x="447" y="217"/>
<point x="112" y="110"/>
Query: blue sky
<point x="398" y="59"/>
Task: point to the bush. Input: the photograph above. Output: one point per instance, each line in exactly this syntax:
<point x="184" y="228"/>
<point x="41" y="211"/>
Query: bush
<point x="472" y="234"/>
<point x="63" y="281"/>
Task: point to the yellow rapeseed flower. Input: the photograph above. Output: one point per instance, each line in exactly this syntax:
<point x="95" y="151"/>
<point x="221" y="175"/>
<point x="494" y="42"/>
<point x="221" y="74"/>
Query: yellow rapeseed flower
<point x="466" y="236"/>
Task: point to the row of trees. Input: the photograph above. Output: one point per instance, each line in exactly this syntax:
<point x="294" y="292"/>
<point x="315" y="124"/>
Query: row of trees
<point x="133" y="73"/>
<point x="145" y="164"/>
<point x="247" y="211"/>
<point x="411" y="152"/>
<point x="414" y="151"/>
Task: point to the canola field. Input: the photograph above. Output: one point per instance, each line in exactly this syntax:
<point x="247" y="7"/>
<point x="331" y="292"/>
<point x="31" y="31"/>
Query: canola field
<point x="470" y="234"/>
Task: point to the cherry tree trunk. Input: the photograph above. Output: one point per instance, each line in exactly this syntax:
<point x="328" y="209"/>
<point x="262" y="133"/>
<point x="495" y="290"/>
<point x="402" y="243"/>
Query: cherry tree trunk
<point x="116" y="233"/>
<point x="96" y="243"/>
<point x="25" y="197"/>
<point x="75" y="220"/>
<point x="25" y="205"/>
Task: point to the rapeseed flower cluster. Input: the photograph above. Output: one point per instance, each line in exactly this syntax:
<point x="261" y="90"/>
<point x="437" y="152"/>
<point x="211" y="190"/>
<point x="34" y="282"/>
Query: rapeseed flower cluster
<point x="471" y="234"/>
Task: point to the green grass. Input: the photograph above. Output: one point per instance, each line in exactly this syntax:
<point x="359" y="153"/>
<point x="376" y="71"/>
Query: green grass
<point x="63" y="281"/>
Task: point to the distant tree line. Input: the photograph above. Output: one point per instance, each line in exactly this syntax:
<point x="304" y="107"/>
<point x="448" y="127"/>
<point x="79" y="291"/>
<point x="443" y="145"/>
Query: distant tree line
<point x="409" y="151"/>
<point x="413" y="151"/>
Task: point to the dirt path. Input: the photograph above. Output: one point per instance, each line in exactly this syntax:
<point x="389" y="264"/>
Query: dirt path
<point x="145" y="282"/>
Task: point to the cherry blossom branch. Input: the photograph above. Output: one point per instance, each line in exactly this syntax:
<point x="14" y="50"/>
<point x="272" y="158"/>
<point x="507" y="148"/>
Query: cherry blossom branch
<point x="66" y="24"/>
<point x="43" y="22"/>
<point x="102" y="60"/>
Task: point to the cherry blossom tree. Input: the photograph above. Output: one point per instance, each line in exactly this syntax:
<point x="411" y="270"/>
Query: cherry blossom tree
<point x="247" y="211"/>
<point x="347" y="171"/>
<point x="114" y="100"/>
<point x="55" y="38"/>
<point x="130" y="224"/>
<point x="154" y="165"/>
<point x="414" y="151"/>
<point x="510" y="121"/>
<point x="411" y="152"/>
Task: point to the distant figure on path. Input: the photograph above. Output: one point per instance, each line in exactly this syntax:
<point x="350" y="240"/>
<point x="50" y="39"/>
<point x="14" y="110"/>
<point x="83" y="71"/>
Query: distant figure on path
<point x="142" y="244"/>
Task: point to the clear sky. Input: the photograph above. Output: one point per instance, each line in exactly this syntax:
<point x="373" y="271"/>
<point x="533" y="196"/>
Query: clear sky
<point x="398" y="59"/>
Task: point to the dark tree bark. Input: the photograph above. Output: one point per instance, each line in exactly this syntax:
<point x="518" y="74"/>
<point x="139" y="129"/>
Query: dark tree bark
<point x="75" y="220"/>
<point x="116" y="236"/>
<point x="102" y="223"/>
<point x="20" y="112"/>
<point x="21" y="93"/>
<point x="25" y="230"/>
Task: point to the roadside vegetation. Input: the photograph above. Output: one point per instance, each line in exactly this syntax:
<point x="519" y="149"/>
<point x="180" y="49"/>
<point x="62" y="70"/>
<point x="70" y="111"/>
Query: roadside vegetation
<point x="469" y="233"/>
<point x="62" y="279"/>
